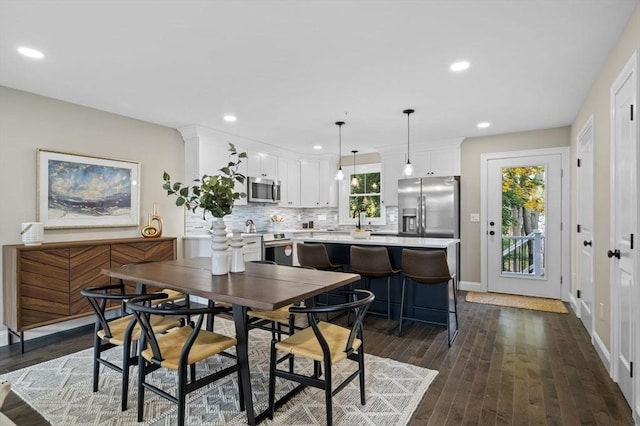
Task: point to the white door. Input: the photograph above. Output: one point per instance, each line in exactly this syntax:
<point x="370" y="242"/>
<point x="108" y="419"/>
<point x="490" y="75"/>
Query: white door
<point x="624" y="217"/>
<point x="524" y="220"/>
<point x="584" y="216"/>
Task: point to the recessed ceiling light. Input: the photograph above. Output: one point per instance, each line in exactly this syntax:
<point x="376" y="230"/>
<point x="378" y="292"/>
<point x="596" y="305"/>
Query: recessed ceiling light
<point x="317" y="147"/>
<point x="459" y="66"/>
<point x="483" y="125"/>
<point x="229" y="118"/>
<point x="30" y="53"/>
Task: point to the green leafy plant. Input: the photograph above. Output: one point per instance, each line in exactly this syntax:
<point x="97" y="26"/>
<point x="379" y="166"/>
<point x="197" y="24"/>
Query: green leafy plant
<point x="214" y="194"/>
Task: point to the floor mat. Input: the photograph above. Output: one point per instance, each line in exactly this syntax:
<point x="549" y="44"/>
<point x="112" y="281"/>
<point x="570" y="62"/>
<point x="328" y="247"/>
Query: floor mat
<point x="514" y="301"/>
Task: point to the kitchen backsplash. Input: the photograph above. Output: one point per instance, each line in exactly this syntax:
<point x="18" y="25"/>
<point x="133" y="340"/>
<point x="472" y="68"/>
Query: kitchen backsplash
<point x="260" y="214"/>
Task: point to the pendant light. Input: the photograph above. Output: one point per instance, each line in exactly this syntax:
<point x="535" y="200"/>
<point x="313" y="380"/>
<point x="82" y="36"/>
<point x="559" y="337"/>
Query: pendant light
<point x="339" y="175"/>
<point x="408" y="168"/>
<point x="354" y="179"/>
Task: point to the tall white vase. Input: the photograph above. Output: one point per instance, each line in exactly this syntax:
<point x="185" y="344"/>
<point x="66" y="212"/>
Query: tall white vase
<point x="237" y="259"/>
<point x="219" y="248"/>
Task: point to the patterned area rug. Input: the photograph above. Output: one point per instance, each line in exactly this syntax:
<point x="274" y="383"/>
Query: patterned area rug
<point x="61" y="391"/>
<point x="513" y="301"/>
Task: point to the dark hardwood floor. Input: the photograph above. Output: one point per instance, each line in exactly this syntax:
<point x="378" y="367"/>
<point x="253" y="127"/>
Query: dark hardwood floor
<point x="507" y="367"/>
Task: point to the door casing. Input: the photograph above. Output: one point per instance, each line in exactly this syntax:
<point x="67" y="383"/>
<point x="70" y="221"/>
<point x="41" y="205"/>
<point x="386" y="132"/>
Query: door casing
<point x="565" y="214"/>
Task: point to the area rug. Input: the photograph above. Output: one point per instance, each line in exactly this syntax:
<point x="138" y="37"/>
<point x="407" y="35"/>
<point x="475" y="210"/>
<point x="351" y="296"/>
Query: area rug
<point x="514" y="301"/>
<point x="61" y="391"/>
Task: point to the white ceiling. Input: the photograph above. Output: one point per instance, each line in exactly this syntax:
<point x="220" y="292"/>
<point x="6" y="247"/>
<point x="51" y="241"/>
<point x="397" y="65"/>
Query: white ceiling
<point x="289" y="69"/>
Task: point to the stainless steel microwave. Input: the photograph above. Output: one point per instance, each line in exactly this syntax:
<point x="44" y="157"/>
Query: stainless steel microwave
<point x="261" y="190"/>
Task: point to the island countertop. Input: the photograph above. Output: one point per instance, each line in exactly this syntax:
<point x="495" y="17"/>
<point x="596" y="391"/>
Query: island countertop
<point x="381" y="240"/>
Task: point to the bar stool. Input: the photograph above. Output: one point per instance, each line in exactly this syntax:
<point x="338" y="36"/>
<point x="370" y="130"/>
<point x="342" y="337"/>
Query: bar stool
<point x="315" y="256"/>
<point x="430" y="268"/>
<point x="374" y="263"/>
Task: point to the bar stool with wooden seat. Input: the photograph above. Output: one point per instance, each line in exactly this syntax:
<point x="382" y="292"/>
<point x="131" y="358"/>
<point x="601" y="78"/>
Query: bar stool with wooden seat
<point x="374" y="263"/>
<point x="430" y="268"/>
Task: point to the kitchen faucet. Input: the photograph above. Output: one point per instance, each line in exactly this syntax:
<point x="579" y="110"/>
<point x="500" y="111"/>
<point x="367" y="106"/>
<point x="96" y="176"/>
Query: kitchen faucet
<point x="357" y="212"/>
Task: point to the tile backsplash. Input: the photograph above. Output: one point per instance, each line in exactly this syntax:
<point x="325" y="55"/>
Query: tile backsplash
<point x="260" y="214"/>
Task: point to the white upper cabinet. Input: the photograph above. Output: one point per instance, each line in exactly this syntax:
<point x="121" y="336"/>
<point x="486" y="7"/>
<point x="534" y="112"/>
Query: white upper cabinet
<point x="436" y="162"/>
<point x="289" y="175"/>
<point x="262" y="165"/>
<point x="310" y="183"/>
<point x="328" y="184"/>
<point x="318" y="187"/>
<point x="392" y="165"/>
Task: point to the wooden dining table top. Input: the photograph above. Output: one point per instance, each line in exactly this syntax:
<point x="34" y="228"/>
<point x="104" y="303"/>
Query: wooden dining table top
<point x="260" y="286"/>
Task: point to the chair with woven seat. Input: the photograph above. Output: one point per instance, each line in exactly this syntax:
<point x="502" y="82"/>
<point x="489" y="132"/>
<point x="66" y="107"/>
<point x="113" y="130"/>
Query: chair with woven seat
<point x="119" y="330"/>
<point x="178" y="349"/>
<point x="374" y="263"/>
<point x="325" y="344"/>
<point x="429" y="267"/>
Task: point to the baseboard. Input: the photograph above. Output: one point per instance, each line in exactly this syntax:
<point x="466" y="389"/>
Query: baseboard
<point x="573" y="302"/>
<point x="48" y="329"/>
<point x="469" y="286"/>
<point x="602" y="351"/>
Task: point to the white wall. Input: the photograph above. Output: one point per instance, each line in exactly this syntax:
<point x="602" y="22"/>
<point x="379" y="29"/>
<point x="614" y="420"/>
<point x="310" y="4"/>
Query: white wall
<point x="471" y="150"/>
<point x="29" y="121"/>
<point x="598" y="103"/>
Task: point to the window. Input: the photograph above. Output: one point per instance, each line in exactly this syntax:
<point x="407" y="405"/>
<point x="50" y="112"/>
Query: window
<point x="362" y="192"/>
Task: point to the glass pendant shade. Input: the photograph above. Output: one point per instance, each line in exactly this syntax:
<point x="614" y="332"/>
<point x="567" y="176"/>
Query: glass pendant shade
<point x="339" y="174"/>
<point x="408" y="168"/>
<point x="354" y="179"/>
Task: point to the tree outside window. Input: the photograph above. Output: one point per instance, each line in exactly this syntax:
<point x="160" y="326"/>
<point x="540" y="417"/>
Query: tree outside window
<point x="364" y="194"/>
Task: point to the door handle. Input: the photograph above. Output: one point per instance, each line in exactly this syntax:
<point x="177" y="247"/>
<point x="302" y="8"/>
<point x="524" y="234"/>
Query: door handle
<point x="492" y="233"/>
<point x="587" y="243"/>
<point x="615" y="253"/>
<point x="492" y="223"/>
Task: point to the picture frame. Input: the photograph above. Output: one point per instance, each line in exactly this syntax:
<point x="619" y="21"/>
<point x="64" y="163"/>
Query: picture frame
<point x="83" y="191"/>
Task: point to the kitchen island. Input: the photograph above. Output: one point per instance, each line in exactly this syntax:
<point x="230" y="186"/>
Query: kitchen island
<point x="430" y="296"/>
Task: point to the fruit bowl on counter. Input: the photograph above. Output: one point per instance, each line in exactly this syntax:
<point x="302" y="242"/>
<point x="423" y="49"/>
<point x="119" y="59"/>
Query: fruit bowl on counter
<point x="360" y="233"/>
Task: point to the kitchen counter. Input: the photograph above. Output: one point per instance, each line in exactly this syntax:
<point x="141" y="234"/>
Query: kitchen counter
<point x="381" y="240"/>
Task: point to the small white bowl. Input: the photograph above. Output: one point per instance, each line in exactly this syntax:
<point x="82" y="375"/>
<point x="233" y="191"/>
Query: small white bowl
<point x="362" y="234"/>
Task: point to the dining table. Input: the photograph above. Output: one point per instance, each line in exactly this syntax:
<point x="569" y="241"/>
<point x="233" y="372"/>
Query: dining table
<point x="260" y="286"/>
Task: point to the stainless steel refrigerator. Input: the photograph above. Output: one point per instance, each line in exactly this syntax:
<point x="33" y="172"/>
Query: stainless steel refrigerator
<point x="429" y="207"/>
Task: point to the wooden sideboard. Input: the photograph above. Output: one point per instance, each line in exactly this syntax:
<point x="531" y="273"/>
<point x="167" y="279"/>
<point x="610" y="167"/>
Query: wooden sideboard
<point x="41" y="284"/>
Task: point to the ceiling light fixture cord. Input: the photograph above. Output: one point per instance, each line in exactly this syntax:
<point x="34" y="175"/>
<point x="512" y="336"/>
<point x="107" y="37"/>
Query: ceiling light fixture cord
<point x="339" y="174"/>
<point x="408" y="168"/>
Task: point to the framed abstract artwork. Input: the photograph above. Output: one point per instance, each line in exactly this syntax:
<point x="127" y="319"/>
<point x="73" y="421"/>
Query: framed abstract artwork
<point x="80" y="191"/>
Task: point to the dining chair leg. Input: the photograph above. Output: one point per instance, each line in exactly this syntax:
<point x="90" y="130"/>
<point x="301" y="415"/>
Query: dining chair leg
<point x="272" y="379"/>
<point x="361" y="365"/>
<point x="181" y="397"/>
<point x="96" y="364"/>
<point x="126" y="356"/>
<point x="328" y="392"/>
<point x="141" y="376"/>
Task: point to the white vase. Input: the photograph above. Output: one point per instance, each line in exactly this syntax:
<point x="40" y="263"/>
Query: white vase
<point x="237" y="259"/>
<point x="219" y="248"/>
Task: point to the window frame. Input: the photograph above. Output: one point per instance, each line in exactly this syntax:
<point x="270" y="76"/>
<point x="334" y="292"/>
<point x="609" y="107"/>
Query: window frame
<point x="343" y="194"/>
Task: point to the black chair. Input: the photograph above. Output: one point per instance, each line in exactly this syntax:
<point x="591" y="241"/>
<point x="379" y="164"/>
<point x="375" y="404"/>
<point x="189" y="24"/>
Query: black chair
<point x="374" y="263"/>
<point x="325" y="344"/>
<point x="117" y="329"/>
<point x="429" y="267"/>
<point x="178" y="349"/>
